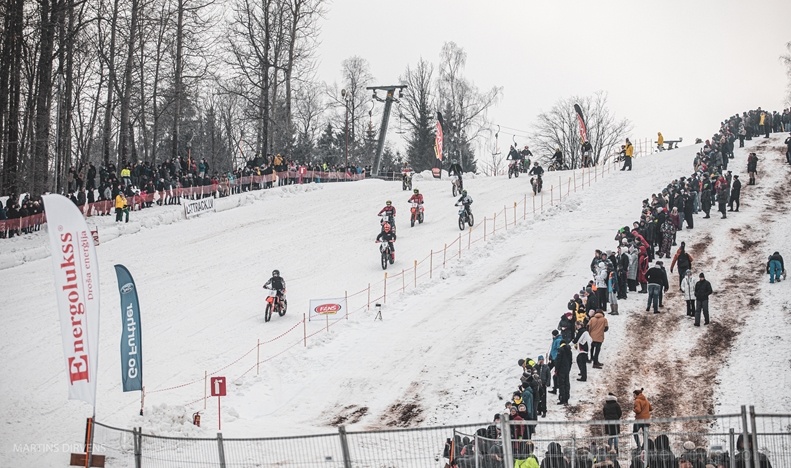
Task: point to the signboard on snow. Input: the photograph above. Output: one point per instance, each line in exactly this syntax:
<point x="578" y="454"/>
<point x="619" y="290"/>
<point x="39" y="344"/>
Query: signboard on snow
<point x="328" y="308"/>
<point x="198" y="207"/>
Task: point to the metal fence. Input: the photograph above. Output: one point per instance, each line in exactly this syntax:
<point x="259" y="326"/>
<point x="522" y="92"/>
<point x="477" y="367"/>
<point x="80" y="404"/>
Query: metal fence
<point x="716" y="440"/>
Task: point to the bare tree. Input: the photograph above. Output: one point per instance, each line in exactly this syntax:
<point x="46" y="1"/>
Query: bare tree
<point x="464" y="107"/>
<point x="559" y="129"/>
<point x="357" y="76"/>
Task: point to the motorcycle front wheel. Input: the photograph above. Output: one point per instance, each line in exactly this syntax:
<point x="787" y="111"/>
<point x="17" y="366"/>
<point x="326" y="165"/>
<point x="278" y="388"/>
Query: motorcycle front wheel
<point x="268" y="312"/>
<point x="454" y="191"/>
<point x="462" y="223"/>
<point x="384" y="260"/>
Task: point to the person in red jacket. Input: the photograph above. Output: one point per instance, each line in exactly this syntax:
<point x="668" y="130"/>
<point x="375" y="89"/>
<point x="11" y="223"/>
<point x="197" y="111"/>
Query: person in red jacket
<point x="416" y="198"/>
<point x="390" y="211"/>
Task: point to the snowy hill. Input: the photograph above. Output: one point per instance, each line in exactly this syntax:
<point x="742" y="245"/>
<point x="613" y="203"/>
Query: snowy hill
<point x="445" y="351"/>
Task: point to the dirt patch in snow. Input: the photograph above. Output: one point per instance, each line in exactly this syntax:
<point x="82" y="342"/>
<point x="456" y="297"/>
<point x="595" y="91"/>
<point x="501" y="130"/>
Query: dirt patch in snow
<point x="350" y="414"/>
<point x="408" y="411"/>
<point x="650" y="359"/>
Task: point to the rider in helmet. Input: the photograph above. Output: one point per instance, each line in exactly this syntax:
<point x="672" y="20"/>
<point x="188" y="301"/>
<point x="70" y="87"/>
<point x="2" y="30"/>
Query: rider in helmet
<point x="526" y="155"/>
<point x="388" y="235"/>
<point x="417" y="197"/>
<point x="455" y="169"/>
<point x="277" y="283"/>
<point x="515" y="156"/>
<point x="558" y="158"/>
<point x="466" y="201"/>
<point x="536" y="170"/>
<point x="390" y="211"/>
<point x="587" y="149"/>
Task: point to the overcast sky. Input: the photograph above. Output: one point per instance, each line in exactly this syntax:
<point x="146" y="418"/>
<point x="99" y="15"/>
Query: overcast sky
<point x="675" y="66"/>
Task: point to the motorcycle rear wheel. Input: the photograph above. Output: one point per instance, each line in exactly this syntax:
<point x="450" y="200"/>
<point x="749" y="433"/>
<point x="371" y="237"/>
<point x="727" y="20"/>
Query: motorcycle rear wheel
<point x="283" y="308"/>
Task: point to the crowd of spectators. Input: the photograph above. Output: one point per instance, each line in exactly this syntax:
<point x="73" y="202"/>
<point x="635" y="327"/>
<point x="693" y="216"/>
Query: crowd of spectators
<point x="144" y="185"/>
<point x="614" y="274"/>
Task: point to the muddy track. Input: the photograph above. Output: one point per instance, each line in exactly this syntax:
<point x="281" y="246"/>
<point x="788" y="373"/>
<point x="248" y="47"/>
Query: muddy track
<point x="651" y="361"/>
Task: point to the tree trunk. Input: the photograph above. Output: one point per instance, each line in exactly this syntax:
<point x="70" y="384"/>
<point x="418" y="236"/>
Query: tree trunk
<point x="108" y="111"/>
<point x="40" y="173"/>
<point x="174" y="153"/>
<point x="123" y="134"/>
<point x="12" y="51"/>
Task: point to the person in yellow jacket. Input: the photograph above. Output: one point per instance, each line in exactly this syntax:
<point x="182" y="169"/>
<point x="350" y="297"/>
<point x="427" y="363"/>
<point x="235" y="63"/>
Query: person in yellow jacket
<point x="126" y="176"/>
<point x="660" y="141"/>
<point x="121" y="207"/>
<point x="628" y="153"/>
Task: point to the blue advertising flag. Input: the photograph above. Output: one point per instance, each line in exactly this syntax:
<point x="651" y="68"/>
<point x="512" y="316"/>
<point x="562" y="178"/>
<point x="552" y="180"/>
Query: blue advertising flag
<point x="131" y="344"/>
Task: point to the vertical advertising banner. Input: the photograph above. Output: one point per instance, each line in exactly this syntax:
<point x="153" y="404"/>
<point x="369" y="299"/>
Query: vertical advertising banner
<point x="131" y="344"/>
<point x="436" y="171"/>
<point x="77" y="290"/>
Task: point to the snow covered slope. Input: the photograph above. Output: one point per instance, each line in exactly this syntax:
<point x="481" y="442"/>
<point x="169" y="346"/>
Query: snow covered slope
<point x="447" y="348"/>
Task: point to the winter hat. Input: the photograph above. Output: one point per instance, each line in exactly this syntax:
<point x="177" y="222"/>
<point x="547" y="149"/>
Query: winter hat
<point x="702" y="275"/>
<point x="736" y="177"/>
<point x="568" y="314"/>
<point x="521" y="362"/>
<point x="659" y="262"/>
<point x="637" y="392"/>
<point x="689" y="445"/>
<point x="540" y="357"/>
<point x="496" y="417"/>
<point x="683" y="244"/>
<point x="555" y="333"/>
<point x="576" y="296"/>
<point x="611" y="397"/>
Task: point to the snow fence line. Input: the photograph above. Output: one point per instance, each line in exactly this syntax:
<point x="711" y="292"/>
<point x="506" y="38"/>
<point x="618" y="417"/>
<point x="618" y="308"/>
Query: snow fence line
<point x="377" y="293"/>
<point x="715" y="439"/>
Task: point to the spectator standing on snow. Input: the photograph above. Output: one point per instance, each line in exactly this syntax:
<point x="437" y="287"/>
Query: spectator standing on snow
<point x="642" y="411"/>
<point x="597" y="326"/>
<point x="688" y="284"/>
<point x="631" y="272"/>
<point x="563" y="368"/>
<point x="736" y="189"/>
<point x="628" y="154"/>
<point x="752" y="167"/>
<point x="583" y="341"/>
<point x="684" y="261"/>
<point x="665" y="283"/>
<point x="702" y="292"/>
<point x="775" y="267"/>
<point x="654" y="278"/>
<point x="612" y="412"/>
<point x="722" y="200"/>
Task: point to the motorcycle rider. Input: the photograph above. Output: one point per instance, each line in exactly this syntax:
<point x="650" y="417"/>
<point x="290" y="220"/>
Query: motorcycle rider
<point x="587" y="149"/>
<point x="536" y="170"/>
<point x="558" y="159"/>
<point x="466" y="201"/>
<point x="389" y="236"/>
<point x="515" y="156"/>
<point x="277" y="283"/>
<point x="390" y="211"/>
<point x="455" y="169"/>
<point x="526" y="155"/>
<point x="416" y="198"/>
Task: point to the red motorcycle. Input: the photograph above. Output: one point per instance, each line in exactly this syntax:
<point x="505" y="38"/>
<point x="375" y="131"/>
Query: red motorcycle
<point x="417" y="213"/>
<point x="274" y="303"/>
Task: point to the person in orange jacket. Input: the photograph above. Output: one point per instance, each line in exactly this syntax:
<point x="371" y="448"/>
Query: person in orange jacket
<point x="642" y="411"/>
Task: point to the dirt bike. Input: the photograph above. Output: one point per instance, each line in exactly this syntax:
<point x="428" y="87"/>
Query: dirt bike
<point x="386" y="253"/>
<point x="465" y="217"/>
<point x="406" y="181"/>
<point x="275" y="304"/>
<point x="513" y="169"/>
<point x="458" y="186"/>
<point x="417" y="213"/>
<point x="537" y="184"/>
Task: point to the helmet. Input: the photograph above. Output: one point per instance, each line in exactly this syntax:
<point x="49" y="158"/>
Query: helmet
<point x="276" y="273"/>
<point x="416" y="191"/>
<point x="386" y="227"/>
<point x="463" y="193"/>
<point x="388" y="203"/>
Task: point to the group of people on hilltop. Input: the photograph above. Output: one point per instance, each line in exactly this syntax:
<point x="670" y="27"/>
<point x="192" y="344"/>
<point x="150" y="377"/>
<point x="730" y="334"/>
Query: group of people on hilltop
<point x="614" y="275"/>
<point x="164" y="182"/>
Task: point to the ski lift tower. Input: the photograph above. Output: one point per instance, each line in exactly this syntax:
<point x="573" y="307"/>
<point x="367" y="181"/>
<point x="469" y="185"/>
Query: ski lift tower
<point x="388" y="100"/>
